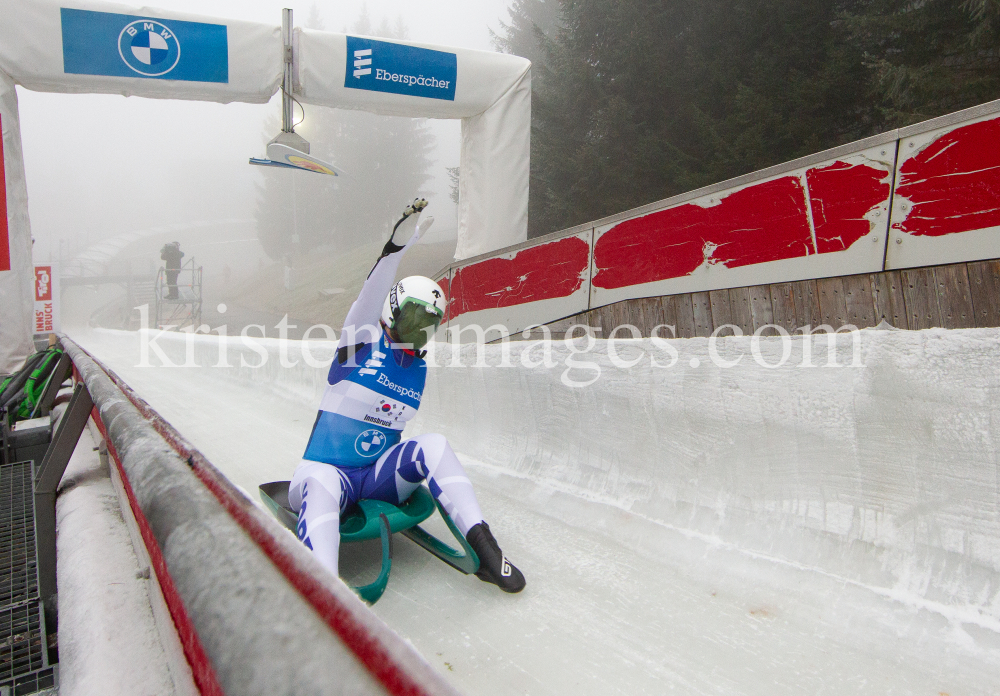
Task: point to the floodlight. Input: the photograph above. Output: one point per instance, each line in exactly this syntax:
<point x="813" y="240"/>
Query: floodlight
<point x="288" y="148"/>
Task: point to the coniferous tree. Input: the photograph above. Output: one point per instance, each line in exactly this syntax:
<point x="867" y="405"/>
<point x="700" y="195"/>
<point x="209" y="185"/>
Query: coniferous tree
<point x="637" y="100"/>
<point x="531" y="22"/>
<point x="928" y="58"/>
<point x="533" y="25"/>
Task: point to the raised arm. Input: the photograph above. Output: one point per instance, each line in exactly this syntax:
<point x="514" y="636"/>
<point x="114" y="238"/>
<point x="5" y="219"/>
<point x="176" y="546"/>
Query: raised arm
<point x="361" y="324"/>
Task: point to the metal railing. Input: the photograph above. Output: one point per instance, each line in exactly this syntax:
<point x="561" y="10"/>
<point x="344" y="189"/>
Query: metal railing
<point x="236" y="584"/>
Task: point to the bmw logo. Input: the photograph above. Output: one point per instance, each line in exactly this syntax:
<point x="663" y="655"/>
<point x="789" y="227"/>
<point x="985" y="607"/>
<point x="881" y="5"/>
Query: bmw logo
<point x="370" y="442"/>
<point x="149" y="47"/>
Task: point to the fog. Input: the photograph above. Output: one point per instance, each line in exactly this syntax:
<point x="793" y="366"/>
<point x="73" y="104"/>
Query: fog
<point x="105" y="167"/>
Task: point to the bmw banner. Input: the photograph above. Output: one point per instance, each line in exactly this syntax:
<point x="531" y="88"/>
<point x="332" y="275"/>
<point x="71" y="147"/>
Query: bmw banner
<point x="119" y="45"/>
<point x="97" y="47"/>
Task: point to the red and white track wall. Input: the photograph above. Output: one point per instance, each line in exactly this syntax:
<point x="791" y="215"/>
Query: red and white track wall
<point x="922" y="195"/>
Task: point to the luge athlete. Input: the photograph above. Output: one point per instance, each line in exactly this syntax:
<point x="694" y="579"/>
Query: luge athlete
<point x="374" y="387"/>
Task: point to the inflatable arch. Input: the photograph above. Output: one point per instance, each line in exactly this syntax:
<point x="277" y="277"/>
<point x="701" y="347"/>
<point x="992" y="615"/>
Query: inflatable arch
<point x="75" y="47"/>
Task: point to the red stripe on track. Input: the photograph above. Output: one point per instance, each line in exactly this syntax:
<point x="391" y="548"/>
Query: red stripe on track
<point x="366" y="647"/>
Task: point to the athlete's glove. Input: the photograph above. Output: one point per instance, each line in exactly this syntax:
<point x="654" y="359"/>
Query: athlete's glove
<point x="391" y="247"/>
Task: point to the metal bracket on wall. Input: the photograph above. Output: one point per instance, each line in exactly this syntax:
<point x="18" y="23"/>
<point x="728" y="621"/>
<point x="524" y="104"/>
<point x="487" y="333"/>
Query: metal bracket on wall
<point x="47" y="478"/>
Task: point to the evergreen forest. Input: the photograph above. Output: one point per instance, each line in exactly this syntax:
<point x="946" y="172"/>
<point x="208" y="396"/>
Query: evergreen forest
<point x="637" y="100"/>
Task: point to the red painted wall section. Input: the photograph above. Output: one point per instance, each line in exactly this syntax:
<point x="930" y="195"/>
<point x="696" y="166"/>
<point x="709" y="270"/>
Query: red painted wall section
<point x="4" y="239"/>
<point x="445" y="284"/>
<point x="841" y="195"/>
<point x="764" y="222"/>
<point x="543" y="272"/>
<point x="953" y="184"/>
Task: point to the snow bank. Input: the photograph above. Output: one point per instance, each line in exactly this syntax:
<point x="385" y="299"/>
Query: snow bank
<point x="106" y="624"/>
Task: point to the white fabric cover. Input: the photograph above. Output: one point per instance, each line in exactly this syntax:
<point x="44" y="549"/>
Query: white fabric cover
<point x="492" y="96"/>
<point x="31" y="53"/>
<point x="321" y="62"/>
<point x="493" y="187"/>
<point x="17" y="295"/>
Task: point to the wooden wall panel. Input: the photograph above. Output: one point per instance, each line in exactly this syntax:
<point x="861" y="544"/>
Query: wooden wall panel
<point x="592" y="318"/>
<point x="783" y="306"/>
<point x="984" y="287"/>
<point x="669" y="308"/>
<point x="832" y="304"/>
<point x="920" y="294"/>
<point x="960" y="295"/>
<point x="806" y="303"/>
<point x="702" y="305"/>
<point x="651" y="313"/>
<point x="685" y="316"/>
<point x="890" y="306"/>
<point x="722" y="312"/>
<point x="954" y="298"/>
<point x="739" y="305"/>
<point x="603" y="317"/>
<point x="615" y="315"/>
<point x="760" y="308"/>
<point x="859" y="301"/>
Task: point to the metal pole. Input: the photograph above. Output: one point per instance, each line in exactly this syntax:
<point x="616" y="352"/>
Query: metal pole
<point x="286" y="79"/>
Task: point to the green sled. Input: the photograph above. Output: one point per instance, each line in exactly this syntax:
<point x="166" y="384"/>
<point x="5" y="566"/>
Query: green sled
<point x="374" y="519"/>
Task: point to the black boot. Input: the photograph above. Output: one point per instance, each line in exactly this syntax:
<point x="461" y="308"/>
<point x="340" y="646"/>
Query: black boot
<point x="493" y="565"/>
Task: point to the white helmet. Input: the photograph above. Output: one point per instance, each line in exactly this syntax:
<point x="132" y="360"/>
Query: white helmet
<point x="413" y="305"/>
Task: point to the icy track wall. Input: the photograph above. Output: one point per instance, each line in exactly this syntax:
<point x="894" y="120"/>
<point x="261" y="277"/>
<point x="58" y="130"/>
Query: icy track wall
<point x="883" y="471"/>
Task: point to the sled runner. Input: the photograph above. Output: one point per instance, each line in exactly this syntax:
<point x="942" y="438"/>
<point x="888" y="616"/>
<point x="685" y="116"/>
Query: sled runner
<point x="373" y="519"/>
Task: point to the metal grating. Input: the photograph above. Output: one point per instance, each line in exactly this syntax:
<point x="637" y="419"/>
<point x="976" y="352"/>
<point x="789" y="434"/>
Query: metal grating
<point x="24" y="644"/>
<point x="18" y="564"/>
<point x="33" y="683"/>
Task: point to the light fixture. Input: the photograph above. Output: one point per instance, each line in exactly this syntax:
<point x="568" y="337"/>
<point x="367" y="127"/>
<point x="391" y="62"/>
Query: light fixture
<point x="288" y="148"/>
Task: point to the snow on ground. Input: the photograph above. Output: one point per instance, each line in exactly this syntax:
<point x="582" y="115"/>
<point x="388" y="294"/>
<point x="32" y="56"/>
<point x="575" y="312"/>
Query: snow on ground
<point x="698" y="529"/>
<point x="108" y="639"/>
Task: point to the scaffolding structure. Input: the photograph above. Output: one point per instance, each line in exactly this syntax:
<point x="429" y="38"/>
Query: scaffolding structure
<point x="178" y="305"/>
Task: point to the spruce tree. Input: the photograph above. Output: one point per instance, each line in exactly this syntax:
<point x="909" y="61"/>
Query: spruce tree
<point x="928" y="58"/>
<point x="637" y="100"/>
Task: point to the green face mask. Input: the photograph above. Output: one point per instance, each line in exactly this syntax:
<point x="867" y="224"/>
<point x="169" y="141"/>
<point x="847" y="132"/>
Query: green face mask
<point x="416" y="322"/>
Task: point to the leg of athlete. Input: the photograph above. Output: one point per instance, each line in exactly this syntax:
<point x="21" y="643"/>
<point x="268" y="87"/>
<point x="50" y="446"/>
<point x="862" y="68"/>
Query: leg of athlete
<point x="399" y="471"/>
<point x="319" y="492"/>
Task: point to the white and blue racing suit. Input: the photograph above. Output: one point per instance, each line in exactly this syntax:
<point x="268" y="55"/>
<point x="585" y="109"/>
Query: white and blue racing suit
<point x="356" y="449"/>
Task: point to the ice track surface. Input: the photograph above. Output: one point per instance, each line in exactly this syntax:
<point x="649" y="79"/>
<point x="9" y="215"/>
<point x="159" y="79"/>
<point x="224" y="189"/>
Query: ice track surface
<point x="693" y="529"/>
